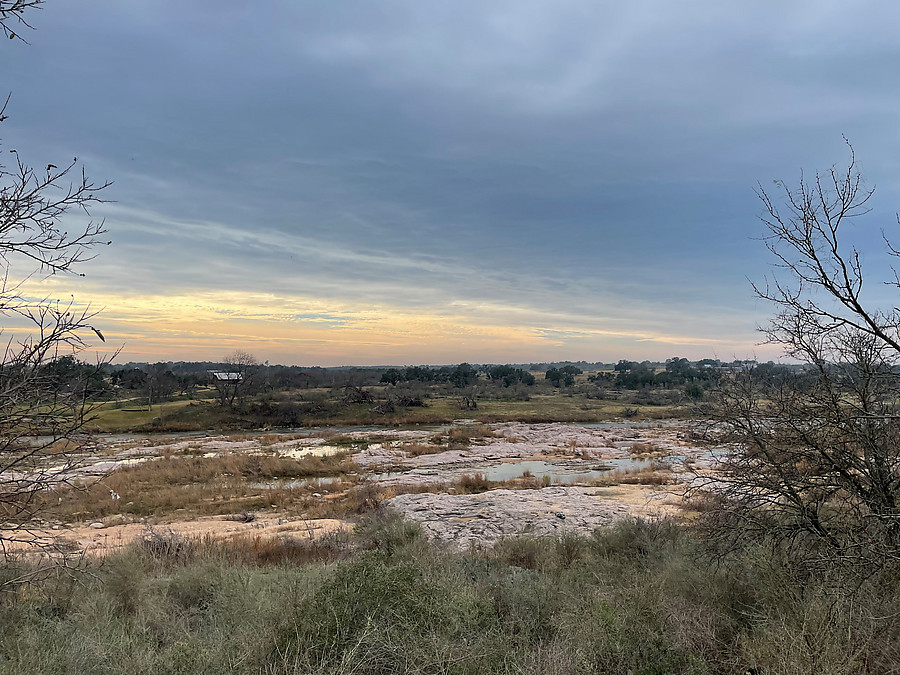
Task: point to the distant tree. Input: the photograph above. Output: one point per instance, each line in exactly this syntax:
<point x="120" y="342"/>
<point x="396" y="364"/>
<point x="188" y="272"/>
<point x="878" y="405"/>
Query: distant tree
<point x="500" y="372"/>
<point x="161" y="384"/>
<point x="677" y="365"/>
<point x="129" y="378"/>
<point x="68" y="376"/>
<point x="236" y="378"/>
<point x="527" y="378"/>
<point x="602" y="378"/>
<point x="554" y="376"/>
<point x="391" y="376"/>
<point x="562" y="377"/>
<point x="463" y="375"/>
<point x="638" y="375"/>
<point x="419" y="374"/>
<point x="694" y="391"/>
<point x="510" y="376"/>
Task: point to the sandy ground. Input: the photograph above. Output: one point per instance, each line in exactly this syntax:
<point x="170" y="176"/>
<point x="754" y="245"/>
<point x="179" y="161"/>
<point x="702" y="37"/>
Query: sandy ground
<point x="114" y="537"/>
<point x="645" y="501"/>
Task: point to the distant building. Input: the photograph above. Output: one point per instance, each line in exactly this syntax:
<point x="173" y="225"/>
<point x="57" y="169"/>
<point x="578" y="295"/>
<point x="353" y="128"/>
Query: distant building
<point x="221" y="376"/>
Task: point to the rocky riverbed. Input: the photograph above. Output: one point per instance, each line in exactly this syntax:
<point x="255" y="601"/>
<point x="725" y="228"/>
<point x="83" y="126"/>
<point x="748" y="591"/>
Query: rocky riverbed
<point x="531" y="478"/>
<point x="565" y="453"/>
<point x="465" y="520"/>
<point x="568" y="458"/>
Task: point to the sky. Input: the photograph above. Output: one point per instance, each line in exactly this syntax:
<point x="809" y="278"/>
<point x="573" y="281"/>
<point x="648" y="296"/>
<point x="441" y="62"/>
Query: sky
<point x="410" y="181"/>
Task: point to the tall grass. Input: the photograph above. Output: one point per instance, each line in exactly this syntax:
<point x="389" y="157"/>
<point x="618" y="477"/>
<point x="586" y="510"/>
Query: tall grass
<point x="196" y="485"/>
<point x="641" y="598"/>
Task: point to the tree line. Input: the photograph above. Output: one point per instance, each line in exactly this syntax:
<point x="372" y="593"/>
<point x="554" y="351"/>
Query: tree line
<point x="164" y="381"/>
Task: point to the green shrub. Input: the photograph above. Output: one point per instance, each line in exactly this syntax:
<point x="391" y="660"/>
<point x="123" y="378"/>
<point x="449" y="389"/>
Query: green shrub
<point x="386" y="531"/>
<point x="381" y="615"/>
<point x="645" y="598"/>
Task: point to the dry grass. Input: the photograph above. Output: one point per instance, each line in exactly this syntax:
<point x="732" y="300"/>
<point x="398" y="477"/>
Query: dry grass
<point x="540" y="407"/>
<point x="477" y="482"/>
<point x="638" y="449"/>
<point x="465" y="436"/>
<point x="417" y="449"/>
<point x="345" y="439"/>
<point x="657" y="473"/>
<point x="355" y="501"/>
<point x="365" y="497"/>
<point x="702" y="501"/>
<point x="648" y="451"/>
<point x="474" y="483"/>
<point x="186" y="486"/>
<point x="189" y="470"/>
<point x="285" y="550"/>
<point x="644" y="477"/>
<point x="642" y="597"/>
<point x="391" y="491"/>
<point x="253" y="551"/>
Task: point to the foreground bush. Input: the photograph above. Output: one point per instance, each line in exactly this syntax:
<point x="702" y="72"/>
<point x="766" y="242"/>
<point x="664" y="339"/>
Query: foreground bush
<point x="644" y="598"/>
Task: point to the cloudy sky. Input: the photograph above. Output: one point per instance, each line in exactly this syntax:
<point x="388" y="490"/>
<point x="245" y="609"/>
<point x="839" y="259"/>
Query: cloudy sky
<point x="413" y="181"/>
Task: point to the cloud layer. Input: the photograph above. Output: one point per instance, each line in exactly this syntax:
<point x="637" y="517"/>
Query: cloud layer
<point x="409" y="181"/>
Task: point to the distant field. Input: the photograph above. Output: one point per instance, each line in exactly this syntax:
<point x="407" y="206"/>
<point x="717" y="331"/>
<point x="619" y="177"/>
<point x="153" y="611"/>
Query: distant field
<point x="540" y="408"/>
<point x="130" y="416"/>
<point x="205" y="413"/>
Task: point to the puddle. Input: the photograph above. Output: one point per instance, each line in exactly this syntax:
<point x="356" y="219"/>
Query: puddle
<point x="326" y="449"/>
<point x="629" y="425"/>
<point x="288" y="483"/>
<point x="294" y="453"/>
<point x="322" y="450"/>
<point x="560" y="473"/>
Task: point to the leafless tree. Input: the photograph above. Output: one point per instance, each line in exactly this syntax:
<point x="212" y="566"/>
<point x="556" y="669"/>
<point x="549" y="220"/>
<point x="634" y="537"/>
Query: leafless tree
<point x="41" y="424"/>
<point x="817" y="469"/>
<point x="237" y="378"/>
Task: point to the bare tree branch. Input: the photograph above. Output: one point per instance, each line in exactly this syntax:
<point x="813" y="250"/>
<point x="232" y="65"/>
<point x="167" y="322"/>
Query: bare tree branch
<point x="12" y="16"/>
<point x="817" y="462"/>
<point x="43" y="422"/>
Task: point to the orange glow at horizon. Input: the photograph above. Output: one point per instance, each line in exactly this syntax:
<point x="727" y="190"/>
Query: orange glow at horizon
<point x="207" y="325"/>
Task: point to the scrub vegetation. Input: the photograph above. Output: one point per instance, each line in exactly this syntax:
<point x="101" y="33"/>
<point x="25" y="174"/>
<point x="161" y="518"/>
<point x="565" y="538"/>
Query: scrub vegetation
<point x="642" y="598"/>
<point x="188" y="486"/>
<point x="181" y="396"/>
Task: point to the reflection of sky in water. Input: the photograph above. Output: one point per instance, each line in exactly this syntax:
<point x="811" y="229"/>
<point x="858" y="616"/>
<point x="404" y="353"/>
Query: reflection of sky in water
<point x="559" y="473"/>
<point x="318" y="450"/>
<point x="288" y="483"/>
